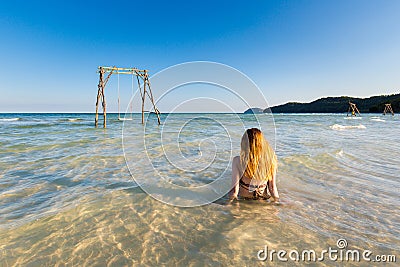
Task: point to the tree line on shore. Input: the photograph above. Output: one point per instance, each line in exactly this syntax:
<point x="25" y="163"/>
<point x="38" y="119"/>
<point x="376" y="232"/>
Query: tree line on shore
<point x="374" y="104"/>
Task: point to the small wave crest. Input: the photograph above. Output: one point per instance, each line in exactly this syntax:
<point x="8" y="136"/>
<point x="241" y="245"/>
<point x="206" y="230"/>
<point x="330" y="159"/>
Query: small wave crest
<point x="347" y="127"/>
<point x="377" y="119"/>
<point x="10" y="119"/>
<point x="352" y="118"/>
<point x="75" y="119"/>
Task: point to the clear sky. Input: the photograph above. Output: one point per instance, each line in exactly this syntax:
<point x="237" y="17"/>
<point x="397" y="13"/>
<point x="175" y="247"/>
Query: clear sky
<point x="293" y="50"/>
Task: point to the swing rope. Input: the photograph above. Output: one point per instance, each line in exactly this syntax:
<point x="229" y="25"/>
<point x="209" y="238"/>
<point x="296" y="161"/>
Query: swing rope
<point x="131" y="100"/>
<point x="132" y="97"/>
<point x="119" y="116"/>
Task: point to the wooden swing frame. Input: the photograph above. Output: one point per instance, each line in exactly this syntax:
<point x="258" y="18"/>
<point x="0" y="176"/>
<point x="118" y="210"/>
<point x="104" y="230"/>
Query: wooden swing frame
<point x="145" y="90"/>
<point x="353" y="108"/>
<point x="388" y="108"/>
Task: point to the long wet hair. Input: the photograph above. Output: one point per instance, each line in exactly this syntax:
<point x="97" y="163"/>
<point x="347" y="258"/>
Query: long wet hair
<point x="257" y="158"/>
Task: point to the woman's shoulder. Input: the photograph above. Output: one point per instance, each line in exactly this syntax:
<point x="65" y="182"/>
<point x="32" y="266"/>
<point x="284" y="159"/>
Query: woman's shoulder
<point x="235" y="162"/>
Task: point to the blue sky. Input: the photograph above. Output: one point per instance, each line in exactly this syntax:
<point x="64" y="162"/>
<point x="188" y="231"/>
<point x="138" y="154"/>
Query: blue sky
<point x="293" y="50"/>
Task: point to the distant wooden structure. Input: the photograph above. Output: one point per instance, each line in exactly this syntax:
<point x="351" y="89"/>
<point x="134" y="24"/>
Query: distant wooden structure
<point x="353" y="108"/>
<point x="388" y="108"/>
<point x="140" y="74"/>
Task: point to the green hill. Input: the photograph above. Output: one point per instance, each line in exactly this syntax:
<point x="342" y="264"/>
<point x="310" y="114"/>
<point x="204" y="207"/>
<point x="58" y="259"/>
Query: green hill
<point x="254" y="111"/>
<point x="375" y="104"/>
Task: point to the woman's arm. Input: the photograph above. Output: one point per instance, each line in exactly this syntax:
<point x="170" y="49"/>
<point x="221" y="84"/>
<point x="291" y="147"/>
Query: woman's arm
<point x="233" y="194"/>
<point x="273" y="189"/>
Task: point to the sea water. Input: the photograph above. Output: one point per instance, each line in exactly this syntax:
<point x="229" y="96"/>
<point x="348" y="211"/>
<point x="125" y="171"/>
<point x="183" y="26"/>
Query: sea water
<point x="67" y="196"/>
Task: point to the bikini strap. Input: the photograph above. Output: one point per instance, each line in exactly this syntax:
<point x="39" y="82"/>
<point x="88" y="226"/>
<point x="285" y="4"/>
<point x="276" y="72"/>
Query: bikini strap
<point x="248" y="185"/>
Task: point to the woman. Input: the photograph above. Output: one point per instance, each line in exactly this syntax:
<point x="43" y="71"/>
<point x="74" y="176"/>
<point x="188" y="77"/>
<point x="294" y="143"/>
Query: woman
<point x="254" y="171"/>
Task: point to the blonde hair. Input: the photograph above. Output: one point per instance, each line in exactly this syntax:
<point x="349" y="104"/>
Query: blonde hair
<point x="257" y="158"/>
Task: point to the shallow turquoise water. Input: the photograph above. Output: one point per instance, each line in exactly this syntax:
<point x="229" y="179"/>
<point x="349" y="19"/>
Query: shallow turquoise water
<point x="67" y="197"/>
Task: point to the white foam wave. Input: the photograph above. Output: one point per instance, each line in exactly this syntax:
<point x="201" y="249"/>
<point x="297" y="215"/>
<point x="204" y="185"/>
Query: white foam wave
<point x="346" y="127"/>
<point x="377" y="119"/>
<point x="9" y="119"/>
<point x="352" y="118"/>
<point x="77" y="119"/>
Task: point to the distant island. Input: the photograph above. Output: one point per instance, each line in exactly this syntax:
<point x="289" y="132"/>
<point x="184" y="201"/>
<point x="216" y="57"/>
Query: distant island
<point x="254" y="111"/>
<point x="374" y="104"/>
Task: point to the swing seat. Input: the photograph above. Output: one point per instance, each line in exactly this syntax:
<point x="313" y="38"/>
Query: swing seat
<point x="124" y="119"/>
